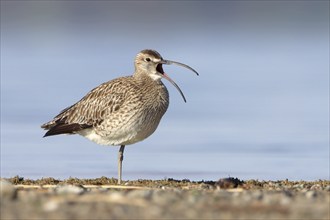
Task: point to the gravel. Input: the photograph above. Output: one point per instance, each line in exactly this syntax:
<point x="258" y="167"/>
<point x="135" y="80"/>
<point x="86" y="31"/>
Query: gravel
<point x="163" y="199"/>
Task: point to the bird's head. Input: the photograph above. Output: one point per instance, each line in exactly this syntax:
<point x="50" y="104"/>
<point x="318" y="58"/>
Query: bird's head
<point x="151" y="62"/>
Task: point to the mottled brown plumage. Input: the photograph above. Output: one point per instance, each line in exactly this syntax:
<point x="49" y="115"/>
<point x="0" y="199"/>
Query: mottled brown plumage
<point x="121" y="111"/>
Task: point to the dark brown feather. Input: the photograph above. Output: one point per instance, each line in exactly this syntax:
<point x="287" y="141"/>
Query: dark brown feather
<point x="62" y="128"/>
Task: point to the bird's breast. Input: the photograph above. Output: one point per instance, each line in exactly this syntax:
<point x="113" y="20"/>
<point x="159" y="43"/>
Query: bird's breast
<point x="147" y="120"/>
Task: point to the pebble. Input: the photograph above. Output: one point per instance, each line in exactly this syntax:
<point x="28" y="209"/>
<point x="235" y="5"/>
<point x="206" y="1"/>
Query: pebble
<point x="116" y="196"/>
<point x="144" y="194"/>
<point x="288" y="193"/>
<point x="268" y="199"/>
<point x="300" y="186"/>
<point x="51" y="205"/>
<point x="192" y="199"/>
<point x="277" y="185"/>
<point x="163" y="197"/>
<point x="258" y="195"/>
<point x="316" y="187"/>
<point x="204" y="186"/>
<point x="7" y="190"/>
<point x="286" y="197"/>
<point x="246" y="197"/>
<point x="70" y="189"/>
<point x="311" y="194"/>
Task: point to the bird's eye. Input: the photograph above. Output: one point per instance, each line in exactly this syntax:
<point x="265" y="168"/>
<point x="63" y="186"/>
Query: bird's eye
<point x="148" y="59"/>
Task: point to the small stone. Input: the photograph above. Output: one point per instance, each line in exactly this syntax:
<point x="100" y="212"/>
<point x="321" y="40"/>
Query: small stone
<point x="116" y="196"/>
<point x="311" y="194"/>
<point x="144" y="194"/>
<point x="285" y="200"/>
<point x="257" y="195"/>
<point x="299" y="186"/>
<point x="316" y="187"/>
<point x="204" y="186"/>
<point x="246" y="197"/>
<point x="7" y="190"/>
<point x="70" y="189"/>
<point x="192" y="199"/>
<point x="51" y="205"/>
<point x="162" y="197"/>
<point x="288" y="193"/>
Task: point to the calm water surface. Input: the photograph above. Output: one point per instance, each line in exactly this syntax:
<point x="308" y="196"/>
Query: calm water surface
<point x="259" y="109"/>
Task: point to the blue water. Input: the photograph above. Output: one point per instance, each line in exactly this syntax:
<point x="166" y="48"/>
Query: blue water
<point x="259" y="109"/>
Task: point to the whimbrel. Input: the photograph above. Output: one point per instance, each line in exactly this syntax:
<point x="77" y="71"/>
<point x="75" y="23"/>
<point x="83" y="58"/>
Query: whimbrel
<point x="122" y="111"/>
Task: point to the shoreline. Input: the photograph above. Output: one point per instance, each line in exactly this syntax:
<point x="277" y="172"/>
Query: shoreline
<point x="225" y="183"/>
<point x="102" y="198"/>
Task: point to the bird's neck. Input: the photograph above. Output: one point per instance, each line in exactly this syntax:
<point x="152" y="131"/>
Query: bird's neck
<point x="144" y="75"/>
<point x="154" y="91"/>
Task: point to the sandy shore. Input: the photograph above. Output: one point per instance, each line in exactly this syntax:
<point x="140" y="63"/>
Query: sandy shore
<point x="101" y="198"/>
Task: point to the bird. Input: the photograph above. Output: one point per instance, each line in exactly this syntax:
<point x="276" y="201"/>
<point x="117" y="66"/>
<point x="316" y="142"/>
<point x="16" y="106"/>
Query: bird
<point x="122" y="111"/>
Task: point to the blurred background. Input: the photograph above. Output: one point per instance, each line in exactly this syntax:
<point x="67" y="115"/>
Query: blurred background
<point x="259" y="109"/>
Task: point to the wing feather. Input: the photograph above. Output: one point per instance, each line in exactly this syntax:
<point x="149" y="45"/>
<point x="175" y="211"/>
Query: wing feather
<point x="91" y="110"/>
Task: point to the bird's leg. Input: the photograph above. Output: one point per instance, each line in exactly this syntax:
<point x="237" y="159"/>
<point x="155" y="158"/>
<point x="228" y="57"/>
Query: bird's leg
<point x="120" y="160"/>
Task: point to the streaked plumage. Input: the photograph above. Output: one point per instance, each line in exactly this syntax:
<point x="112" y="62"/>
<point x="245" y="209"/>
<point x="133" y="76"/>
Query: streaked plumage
<point x="121" y="111"/>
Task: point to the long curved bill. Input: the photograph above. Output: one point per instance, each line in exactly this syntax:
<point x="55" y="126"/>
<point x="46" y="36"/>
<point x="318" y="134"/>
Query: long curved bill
<point x="175" y="85"/>
<point x="169" y="62"/>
